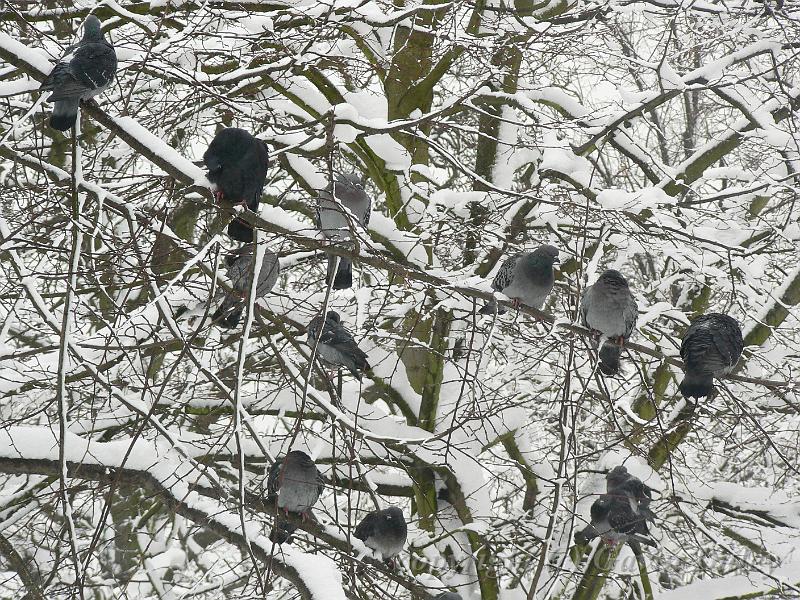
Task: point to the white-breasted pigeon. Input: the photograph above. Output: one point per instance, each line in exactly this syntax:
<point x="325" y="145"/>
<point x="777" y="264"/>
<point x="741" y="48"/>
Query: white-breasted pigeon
<point x="295" y="484"/>
<point x="240" y="271"/>
<point x="609" y="309"/>
<point x="711" y="347"/>
<point x="86" y="73"/>
<point x="237" y="169"/>
<point x="384" y="531"/>
<point x="335" y="223"/>
<point x="336" y="349"/>
<point x="527" y="278"/>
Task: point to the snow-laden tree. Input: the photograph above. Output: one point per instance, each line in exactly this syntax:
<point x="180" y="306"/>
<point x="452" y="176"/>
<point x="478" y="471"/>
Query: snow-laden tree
<point x="655" y="137"/>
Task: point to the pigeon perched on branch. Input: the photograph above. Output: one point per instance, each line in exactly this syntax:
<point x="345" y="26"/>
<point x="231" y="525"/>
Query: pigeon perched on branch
<point x="336" y="223"/>
<point x="609" y="309"/>
<point x="384" y="531"/>
<point x="296" y="485"/>
<point x="711" y="347"/>
<point x="337" y="349"/>
<point x="237" y="169"/>
<point x="89" y="71"/>
<point x="621" y="514"/>
<point x="240" y="272"/>
<point x="527" y="278"/>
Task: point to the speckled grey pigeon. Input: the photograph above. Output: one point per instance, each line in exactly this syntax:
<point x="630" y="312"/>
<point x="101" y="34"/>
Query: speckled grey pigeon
<point x="609" y="308"/>
<point x="296" y="485"/>
<point x="385" y="531"/>
<point x="240" y="269"/>
<point x="237" y="169"/>
<point x="613" y="519"/>
<point x="89" y="71"/>
<point x="527" y="278"/>
<point x="335" y="223"/>
<point x="711" y="347"/>
<point x="337" y="349"/>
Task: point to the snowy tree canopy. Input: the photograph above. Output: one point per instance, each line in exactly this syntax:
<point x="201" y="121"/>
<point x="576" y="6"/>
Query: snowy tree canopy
<point x="656" y="138"/>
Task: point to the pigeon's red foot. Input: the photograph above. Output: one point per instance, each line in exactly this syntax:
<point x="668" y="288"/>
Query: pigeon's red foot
<point x="516" y="303"/>
<point x="621" y="341"/>
<point x="218" y="196"/>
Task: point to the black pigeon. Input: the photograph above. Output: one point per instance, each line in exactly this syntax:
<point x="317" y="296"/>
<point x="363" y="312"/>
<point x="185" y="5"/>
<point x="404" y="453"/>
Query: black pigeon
<point x="296" y="485"/>
<point x="609" y="308"/>
<point x="335" y="223"/>
<point x="240" y="270"/>
<point x="237" y="168"/>
<point x="336" y="349"/>
<point x="710" y="348"/>
<point x="384" y="531"/>
<point x="621" y="483"/>
<point x="88" y="73"/>
<point x="527" y="278"/>
<point x="621" y="514"/>
<point x="613" y="519"/>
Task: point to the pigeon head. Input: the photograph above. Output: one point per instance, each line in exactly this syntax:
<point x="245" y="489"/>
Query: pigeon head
<point x="616" y="477"/>
<point x="546" y="254"/>
<point x="297" y="458"/>
<point x="350" y="180"/>
<point x="613" y="278"/>
<point x="91" y="29"/>
<point x="393" y="513"/>
<point x="333" y="316"/>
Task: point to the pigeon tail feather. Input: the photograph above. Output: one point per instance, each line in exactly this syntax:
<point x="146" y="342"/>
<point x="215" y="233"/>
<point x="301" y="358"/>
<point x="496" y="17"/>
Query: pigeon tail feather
<point x="282" y="532"/>
<point x="585" y="535"/>
<point x="343" y="279"/>
<point x="696" y="385"/>
<point x="609" y="358"/>
<point x="65" y="114"/>
<point x="240" y="231"/>
<point x="490" y="308"/>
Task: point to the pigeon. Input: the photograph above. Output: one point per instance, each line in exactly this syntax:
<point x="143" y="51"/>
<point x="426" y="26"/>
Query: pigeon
<point x="527" y="278"/>
<point x="711" y="347"/>
<point x="448" y="596"/>
<point x="621" y="514"/>
<point x="296" y="485"/>
<point x="237" y="169"/>
<point x="621" y="483"/>
<point x="240" y="270"/>
<point x="336" y="224"/>
<point x="384" y="531"/>
<point x="615" y="521"/>
<point x="90" y="70"/>
<point x="609" y="308"/>
<point x="336" y="348"/>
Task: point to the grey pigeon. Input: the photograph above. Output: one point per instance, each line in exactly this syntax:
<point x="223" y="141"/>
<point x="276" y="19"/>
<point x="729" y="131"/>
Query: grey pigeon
<point x="335" y="223"/>
<point x="527" y="278"/>
<point x="609" y="308"/>
<point x="385" y="531"/>
<point x="337" y="349"/>
<point x="90" y="70"/>
<point x="711" y="347"/>
<point x="240" y="269"/>
<point x="237" y="169"/>
<point x="296" y="485"/>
